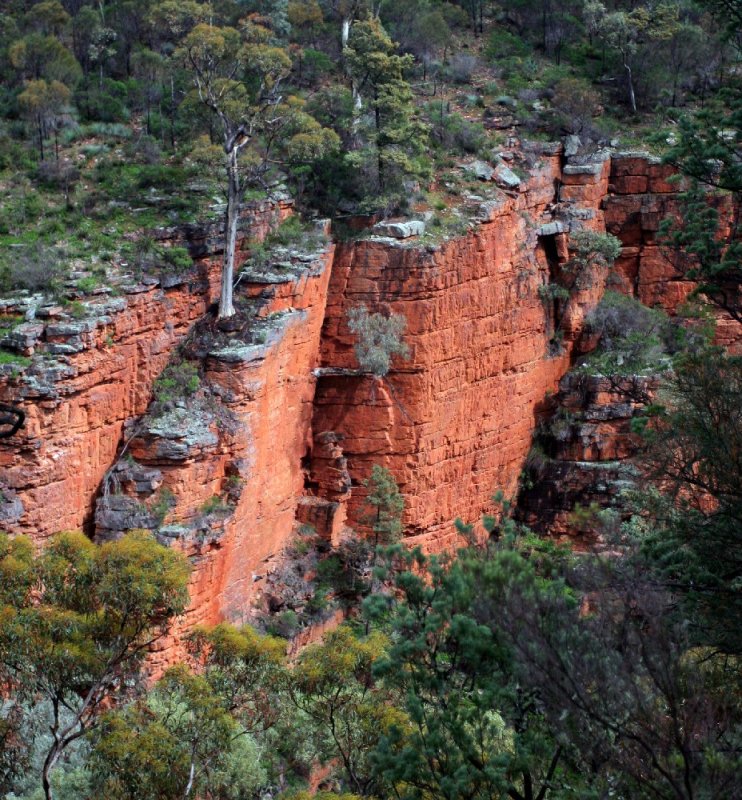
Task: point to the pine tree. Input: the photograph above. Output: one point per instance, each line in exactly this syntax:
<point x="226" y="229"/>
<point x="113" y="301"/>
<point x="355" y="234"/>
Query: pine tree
<point x="397" y="137"/>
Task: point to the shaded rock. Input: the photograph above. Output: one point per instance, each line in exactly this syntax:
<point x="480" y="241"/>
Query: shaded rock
<point x="572" y="145"/>
<point x="11" y="506"/>
<point x="480" y="170"/>
<point x="117" y="514"/>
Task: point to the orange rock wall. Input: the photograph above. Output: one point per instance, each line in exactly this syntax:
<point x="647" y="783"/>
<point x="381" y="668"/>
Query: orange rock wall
<point x="455" y="421"/>
<point x="77" y="405"/>
<point x="640" y="195"/>
<point x="271" y="399"/>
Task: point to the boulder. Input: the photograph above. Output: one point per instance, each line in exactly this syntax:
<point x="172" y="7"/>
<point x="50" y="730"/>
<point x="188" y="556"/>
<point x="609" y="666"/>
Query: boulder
<point x="400" y="230"/>
<point x="480" y="170"/>
<point x="572" y="145"/>
<point x="506" y="178"/>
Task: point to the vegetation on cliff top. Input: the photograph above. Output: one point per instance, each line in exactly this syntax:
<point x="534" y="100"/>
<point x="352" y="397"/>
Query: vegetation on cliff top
<point x="120" y="117"/>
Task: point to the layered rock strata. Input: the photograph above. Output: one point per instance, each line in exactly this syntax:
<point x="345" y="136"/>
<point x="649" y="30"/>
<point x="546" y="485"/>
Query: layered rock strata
<point x="455" y="421"/>
<point x="217" y="473"/>
<point x="93" y="369"/>
<point x="642" y="192"/>
<point x="284" y="430"/>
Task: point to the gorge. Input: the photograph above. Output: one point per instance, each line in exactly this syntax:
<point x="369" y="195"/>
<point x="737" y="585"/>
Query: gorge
<point x="283" y="429"/>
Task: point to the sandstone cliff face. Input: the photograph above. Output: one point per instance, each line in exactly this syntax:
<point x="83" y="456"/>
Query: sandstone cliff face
<point x="217" y="474"/>
<point x="90" y="375"/>
<point x="640" y="195"/>
<point x="455" y="421"/>
<point x="283" y="428"/>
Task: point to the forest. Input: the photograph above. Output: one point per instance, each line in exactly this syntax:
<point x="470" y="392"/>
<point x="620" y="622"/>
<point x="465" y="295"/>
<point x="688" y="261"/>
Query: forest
<point x="514" y="665"/>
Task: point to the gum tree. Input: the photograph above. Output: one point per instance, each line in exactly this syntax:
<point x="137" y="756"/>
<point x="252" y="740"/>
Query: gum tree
<point x="76" y="622"/>
<point x="237" y="75"/>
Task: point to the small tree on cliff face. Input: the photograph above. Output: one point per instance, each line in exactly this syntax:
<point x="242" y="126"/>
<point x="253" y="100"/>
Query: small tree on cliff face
<point x="77" y="620"/>
<point x="385" y="506"/>
<point x="594" y="252"/>
<point x="379" y="338"/>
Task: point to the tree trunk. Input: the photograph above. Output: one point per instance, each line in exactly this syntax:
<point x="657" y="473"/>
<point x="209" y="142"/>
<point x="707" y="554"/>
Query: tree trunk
<point x="226" y="307"/>
<point x="172" y="113"/>
<point x="345" y="32"/>
<point x="49" y="762"/>
<point x="41" y="140"/>
<point x="630" y="85"/>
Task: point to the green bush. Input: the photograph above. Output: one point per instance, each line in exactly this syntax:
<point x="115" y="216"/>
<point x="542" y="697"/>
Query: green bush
<point x="502" y="44"/>
<point x="34" y="267"/>
<point x="215" y="505"/>
<point x="379" y="338"/>
<point x="146" y="255"/>
<point x="549" y="292"/>
<point x="178" y="380"/>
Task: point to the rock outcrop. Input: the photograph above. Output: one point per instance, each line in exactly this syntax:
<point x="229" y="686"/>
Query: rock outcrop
<point x="583" y="455"/>
<point x="90" y="375"/>
<point x="283" y="429"/>
<point x="642" y="193"/>
<point x="217" y="473"/>
<point x="455" y="421"/>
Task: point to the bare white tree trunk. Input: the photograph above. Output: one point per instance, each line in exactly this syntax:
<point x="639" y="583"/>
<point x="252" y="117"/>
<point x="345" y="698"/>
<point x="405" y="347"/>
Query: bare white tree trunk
<point x="226" y="306"/>
<point x="630" y="83"/>
<point x="345" y="32"/>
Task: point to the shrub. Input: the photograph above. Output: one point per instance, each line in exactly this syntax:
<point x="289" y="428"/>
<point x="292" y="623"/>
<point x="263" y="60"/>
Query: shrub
<point x="215" y="505"/>
<point x="549" y="292"/>
<point x="503" y="44"/>
<point x="145" y="149"/>
<point x="593" y="252"/>
<point x="161" y="505"/>
<point x="103" y="105"/>
<point x="293" y="232"/>
<point x="379" y="338"/>
<point x="575" y="104"/>
<point x="34" y="267"/>
<point x="454" y="132"/>
<point x="178" y="380"/>
<point x="147" y="256"/>
<point x="461" y="68"/>
<point x="632" y="336"/>
<point x="286" y="624"/>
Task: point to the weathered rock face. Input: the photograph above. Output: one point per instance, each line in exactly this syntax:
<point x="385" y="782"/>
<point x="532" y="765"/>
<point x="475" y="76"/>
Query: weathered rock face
<point x="640" y="195"/>
<point x="455" y="421"/>
<point x="284" y="429"/>
<point x="218" y="474"/>
<point x="93" y="374"/>
<point x="584" y="455"/>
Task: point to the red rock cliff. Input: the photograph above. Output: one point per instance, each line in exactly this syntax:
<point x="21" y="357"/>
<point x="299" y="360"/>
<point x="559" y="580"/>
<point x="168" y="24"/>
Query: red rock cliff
<point x="90" y="375"/>
<point x="455" y="421"/>
<point x="267" y="440"/>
